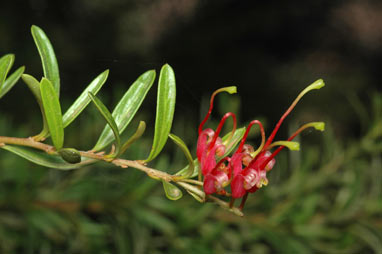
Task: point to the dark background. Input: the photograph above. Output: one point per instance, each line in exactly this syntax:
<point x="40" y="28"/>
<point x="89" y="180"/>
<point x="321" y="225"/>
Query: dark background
<point x="323" y="199"/>
<point x="270" y="50"/>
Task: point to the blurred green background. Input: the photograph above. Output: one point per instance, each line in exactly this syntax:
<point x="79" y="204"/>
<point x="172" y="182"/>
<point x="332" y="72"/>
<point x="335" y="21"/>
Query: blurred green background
<point x="327" y="198"/>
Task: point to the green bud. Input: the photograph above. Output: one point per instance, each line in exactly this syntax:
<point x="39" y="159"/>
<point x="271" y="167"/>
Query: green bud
<point x="70" y="155"/>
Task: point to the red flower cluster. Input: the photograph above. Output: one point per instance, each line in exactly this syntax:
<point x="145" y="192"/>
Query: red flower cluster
<point x="246" y="169"/>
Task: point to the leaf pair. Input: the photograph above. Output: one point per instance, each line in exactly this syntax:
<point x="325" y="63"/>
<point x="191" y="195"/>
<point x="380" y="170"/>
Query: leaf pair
<point x="128" y="106"/>
<point x="6" y="84"/>
<point x="51" y="74"/>
<point x="125" y="110"/>
<point x="46" y="93"/>
<point x="54" y="121"/>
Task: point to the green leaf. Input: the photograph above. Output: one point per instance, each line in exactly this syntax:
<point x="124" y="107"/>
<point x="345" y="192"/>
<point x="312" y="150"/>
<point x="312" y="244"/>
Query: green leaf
<point x="199" y="199"/>
<point x="34" y="86"/>
<point x="172" y="192"/>
<point x="11" y="81"/>
<point x="127" y="107"/>
<point x="138" y="133"/>
<point x="190" y="169"/>
<point x="48" y="57"/>
<point x="52" y="111"/>
<point x="44" y="159"/>
<point x="165" y="110"/>
<point x="83" y="100"/>
<point x="6" y="63"/>
<point x="109" y="119"/>
<point x="236" y="138"/>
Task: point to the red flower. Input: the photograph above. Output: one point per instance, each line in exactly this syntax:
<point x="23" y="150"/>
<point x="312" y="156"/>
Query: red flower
<point x="210" y="146"/>
<point x="252" y="177"/>
<point x="218" y="178"/>
<point x="258" y="163"/>
<point x="229" y="170"/>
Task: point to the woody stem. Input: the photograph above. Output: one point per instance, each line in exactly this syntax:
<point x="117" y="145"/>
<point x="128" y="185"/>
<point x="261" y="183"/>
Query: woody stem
<point x="154" y="173"/>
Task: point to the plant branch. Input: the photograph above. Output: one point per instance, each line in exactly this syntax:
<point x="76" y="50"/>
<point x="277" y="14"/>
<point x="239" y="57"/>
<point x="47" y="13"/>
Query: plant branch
<point x="187" y="184"/>
<point x="30" y="142"/>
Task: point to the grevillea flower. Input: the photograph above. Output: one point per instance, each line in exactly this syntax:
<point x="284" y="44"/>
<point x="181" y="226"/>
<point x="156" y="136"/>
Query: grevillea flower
<point x="210" y="146"/>
<point x="252" y="177"/>
<point x="257" y="163"/>
<point x="218" y="178"/>
<point x="246" y="170"/>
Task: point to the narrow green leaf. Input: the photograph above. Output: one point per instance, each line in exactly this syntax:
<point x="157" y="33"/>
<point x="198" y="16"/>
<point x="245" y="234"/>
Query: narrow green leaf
<point x="11" y="81"/>
<point x="138" y="133"/>
<point x="109" y="119"/>
<point x="48" y="57"/>
<point x="127" y="107"/>
<point x="52" y="111"/>
<point x="182" y="145"/>
<point x="236" y="138"/>
<point x="199" y="199"/>
<point x="83" y="100"/>
<point x="44" y="159"/>
<point x="172" y="192"/>
<point x="34" y="86"/>
<point x="6" y="63"/>
<point x="165" y="110"/>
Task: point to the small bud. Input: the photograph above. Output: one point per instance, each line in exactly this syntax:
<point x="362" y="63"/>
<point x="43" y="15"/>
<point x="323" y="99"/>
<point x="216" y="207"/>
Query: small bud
<point x="70" y="155"/>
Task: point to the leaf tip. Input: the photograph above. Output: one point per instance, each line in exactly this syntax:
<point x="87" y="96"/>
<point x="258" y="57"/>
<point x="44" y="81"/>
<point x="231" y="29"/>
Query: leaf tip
<point x="172" y="192"/>
<point x="34" y="27"/>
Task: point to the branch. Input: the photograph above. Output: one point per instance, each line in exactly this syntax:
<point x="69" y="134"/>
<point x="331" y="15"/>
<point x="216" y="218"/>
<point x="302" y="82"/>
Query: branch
<point x="187" y="184"/>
